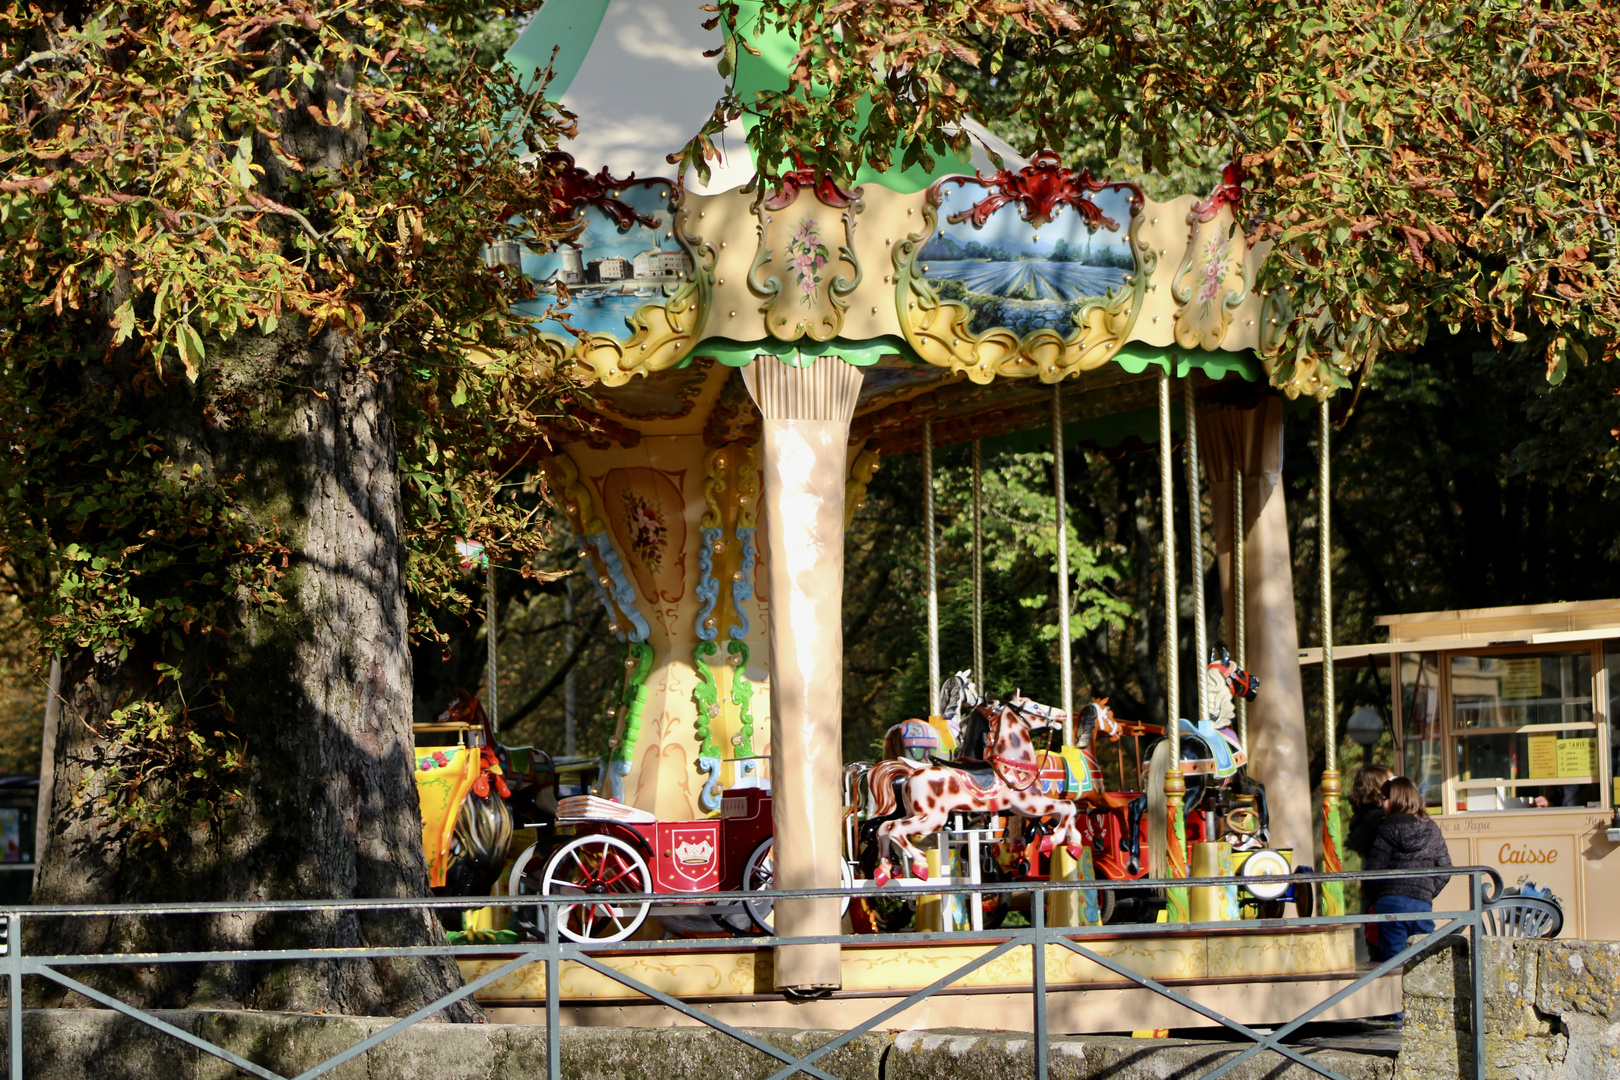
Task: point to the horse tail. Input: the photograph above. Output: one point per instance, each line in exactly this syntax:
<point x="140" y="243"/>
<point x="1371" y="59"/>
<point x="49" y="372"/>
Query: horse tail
<point x="1158" y="809"/>
<point x="880" y="781"/>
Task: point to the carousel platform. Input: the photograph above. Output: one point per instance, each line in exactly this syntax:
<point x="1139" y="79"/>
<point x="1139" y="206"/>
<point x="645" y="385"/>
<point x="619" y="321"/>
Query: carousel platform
<point x="1254" y="977"/>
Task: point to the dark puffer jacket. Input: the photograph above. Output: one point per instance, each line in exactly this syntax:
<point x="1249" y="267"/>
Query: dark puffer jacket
<point x="1406" y="842"/>
<point x="1363" y="828"/>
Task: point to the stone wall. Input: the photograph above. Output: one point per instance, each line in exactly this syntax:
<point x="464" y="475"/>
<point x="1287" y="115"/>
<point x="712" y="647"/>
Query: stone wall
<point x="1552" y="1012"/>
<point x="96" y="1044"/>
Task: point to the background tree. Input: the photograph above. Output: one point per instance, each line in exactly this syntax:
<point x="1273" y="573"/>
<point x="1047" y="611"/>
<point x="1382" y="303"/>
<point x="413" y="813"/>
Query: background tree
<point x="257" y="380"/>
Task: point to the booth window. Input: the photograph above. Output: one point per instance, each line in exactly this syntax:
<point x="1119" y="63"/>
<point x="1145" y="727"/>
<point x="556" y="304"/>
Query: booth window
<point x="1524" y="729"/>
<point x="1424" y="742"/>
<point x="1611" y="668"/>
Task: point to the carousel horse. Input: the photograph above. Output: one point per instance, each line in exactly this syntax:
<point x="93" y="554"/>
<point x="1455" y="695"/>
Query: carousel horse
<point x="1075" y="773"/>
<point x="1007" y="778"/>
<point x="1211" y="753"/>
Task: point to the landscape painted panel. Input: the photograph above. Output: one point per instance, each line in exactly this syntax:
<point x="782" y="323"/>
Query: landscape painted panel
<point x="1010" y="273"/>
<point x="609" y="272"/>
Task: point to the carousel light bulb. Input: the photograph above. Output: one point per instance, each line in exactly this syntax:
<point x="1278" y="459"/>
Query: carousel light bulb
<point x="732" y="314"/>
<point x="584" y="554"/>
<point x="709" y="623"/>
<point x="718" y="546"/>
<point x="720" y="281"/>
<point x="738" y="575"/>
<point x="604" y="581"/>
<point x="629" y="661"/>
<point x="714" y="710"/>
<point x="1155" y="221"/>
<point x="735" y="660"/>
<point x="874" y="311"/>
<point x="722" y="243"/>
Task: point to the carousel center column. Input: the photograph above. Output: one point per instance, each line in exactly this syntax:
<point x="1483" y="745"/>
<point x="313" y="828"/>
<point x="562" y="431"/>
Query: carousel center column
<point x="1250" y="440"/>
<point x="807" y="412"/>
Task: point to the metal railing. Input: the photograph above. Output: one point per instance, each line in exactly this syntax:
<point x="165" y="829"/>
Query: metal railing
<point x="553" y="952"/>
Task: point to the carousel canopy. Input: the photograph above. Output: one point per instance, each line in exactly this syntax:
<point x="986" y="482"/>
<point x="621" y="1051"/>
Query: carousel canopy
<point x="964" y="291"/>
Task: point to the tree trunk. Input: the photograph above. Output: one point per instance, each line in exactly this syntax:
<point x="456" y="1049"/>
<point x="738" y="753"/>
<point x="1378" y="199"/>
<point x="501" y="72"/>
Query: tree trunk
<point x="319" y="692"/>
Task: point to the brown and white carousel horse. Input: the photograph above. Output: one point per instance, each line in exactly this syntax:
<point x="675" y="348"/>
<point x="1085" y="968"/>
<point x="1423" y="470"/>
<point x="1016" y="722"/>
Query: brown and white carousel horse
<point x="1006" y="780"/>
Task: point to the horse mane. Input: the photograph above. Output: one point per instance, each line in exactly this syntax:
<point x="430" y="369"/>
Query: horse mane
<point x="975" y="735"/>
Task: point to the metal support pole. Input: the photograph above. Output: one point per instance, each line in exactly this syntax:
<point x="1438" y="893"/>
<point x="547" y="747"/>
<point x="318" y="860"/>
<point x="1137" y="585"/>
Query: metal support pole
<point x="1240" y="601"/>
<point x="978" y="567"/>
<point x="1332" y="828"/>
<point x="1195" y="540"/>
<point x="492" y="705"/>
<point x="1476" y="970"/>
<point x="14" y="943"/>
<point x="1037" y="918"/>
<point x="1167" y="521"/>
<point x="570" y="684"/>
<point x="1174" y="784"/>
<point x="933" y="576"/>
<point x="553" y="995"/>
<point x="1064" y="645"/>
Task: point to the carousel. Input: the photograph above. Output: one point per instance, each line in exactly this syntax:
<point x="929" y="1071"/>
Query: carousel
<point x="751" y="358"/>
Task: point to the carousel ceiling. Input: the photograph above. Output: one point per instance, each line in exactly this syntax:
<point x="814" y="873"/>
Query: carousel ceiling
<point x="963" y="293"/>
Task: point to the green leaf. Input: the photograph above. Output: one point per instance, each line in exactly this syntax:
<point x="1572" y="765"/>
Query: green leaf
<point x="243" y="161"/>
<point x="190" y="346"/>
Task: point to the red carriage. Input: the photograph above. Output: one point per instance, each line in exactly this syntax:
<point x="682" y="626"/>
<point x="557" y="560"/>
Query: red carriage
<point x="606" y="852"/>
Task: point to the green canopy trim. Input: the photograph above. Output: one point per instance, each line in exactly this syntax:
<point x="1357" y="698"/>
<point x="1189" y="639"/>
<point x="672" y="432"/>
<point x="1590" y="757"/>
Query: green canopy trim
<point x="1136" y="357"/>
<point x="801" y="353"/>
<point x="570" y="27"/>
<point x="769" y="71"/>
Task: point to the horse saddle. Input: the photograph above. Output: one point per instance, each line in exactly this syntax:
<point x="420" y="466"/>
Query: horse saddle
<point x="979" y="772"/>
<point x="1224" y="760"/>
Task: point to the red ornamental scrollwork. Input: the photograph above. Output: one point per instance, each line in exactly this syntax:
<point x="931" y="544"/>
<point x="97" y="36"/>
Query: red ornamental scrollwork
<point x="1229" y="192"/>
<point x="576" y="188"/>
<point x="1040" y="188"/>
<point x="819" y="181"/>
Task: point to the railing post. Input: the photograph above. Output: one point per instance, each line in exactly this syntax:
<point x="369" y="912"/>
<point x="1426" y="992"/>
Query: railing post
<point x="1037" y="915"/>
<point x="1476" y="907"/>
<point x="14" y="976"/>
<point x="553" y="983"/>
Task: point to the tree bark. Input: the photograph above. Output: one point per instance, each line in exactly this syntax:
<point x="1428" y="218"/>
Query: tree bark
<point x="319" y="692"/>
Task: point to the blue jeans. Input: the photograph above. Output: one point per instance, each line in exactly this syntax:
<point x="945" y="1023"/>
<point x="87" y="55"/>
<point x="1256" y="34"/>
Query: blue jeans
<point x="1385" y="939"/>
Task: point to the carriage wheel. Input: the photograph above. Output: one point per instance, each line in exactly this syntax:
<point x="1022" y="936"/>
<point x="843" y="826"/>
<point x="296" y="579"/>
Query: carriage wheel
<point x="759" y="875"/>
<point x="596" y="868"/>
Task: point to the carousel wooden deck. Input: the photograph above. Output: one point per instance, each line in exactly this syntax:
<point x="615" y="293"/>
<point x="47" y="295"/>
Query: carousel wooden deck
<point x="1254" y="977"/>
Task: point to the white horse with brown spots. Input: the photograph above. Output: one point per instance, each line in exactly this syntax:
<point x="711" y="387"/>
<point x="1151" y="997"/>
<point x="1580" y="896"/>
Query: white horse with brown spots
<point x="1006" y="780"/>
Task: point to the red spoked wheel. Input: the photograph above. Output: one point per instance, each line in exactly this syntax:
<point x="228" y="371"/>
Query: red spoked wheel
<point x="598" y="869"/>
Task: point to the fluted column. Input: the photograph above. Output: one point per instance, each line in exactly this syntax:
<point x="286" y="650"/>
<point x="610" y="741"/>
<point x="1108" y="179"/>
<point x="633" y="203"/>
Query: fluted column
<point x="1251" y="439"/>
<point x="806" y="412"/>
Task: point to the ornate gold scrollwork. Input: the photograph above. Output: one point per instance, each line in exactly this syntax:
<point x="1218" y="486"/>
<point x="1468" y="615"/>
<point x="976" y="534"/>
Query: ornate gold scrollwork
<point x="664" y="333"/>
<point x="863" y="463"/>
<point x="802" y="259"/>
<point x="747" y="485"/>
<point x="940" y="332"/>
<point x="1204" y="313"/>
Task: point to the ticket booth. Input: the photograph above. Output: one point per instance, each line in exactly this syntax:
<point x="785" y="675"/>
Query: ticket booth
<point x="1505" y="718"/>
